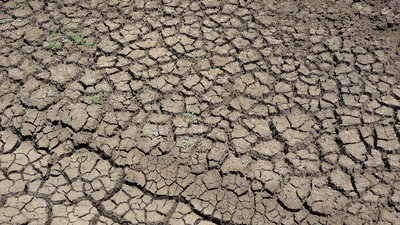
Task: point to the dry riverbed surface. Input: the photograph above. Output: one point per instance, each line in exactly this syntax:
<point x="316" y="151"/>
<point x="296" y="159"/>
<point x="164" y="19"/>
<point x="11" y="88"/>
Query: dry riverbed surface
<point x="200" y="112"/>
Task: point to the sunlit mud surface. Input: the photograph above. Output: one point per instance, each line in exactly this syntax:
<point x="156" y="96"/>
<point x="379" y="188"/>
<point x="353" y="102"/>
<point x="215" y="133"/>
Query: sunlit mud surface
<point x="181" y="112"/>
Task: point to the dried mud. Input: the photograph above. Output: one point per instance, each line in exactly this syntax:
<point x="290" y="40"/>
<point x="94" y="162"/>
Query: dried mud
<point x="199" y="112"/>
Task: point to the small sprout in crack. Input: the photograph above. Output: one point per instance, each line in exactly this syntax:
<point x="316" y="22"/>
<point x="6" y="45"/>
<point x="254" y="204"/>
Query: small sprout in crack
<point x="191" y="116"/>
<point x="76" y="38"/>
<point x="53" y="45"/>
<point x="244" y="161"/>
<point x="144" y="134"/>
<point x="88" y="44"/>
<point x="274" y="23"/>
<point x="54" y="31"/>
<point x="96" y="99"/>
<point x="23" y="6"/>
<point x="282" y="181"/>
<point x="154" y="18"/>
<point x="187" y="142"/>
<point x="79" y="40"/>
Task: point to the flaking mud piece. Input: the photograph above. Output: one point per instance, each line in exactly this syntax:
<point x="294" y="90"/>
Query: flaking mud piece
<point x="199" y="112"/>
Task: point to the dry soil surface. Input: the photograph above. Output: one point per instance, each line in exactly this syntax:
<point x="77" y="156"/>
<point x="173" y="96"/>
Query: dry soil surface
<point x="200" y="112"/>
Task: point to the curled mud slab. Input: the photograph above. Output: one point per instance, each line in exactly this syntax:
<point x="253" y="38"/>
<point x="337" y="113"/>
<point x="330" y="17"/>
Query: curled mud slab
<point x="199" y="112"/>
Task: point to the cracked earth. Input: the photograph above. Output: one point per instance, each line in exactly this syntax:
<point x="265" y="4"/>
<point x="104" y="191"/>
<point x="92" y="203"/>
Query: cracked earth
<point x="200" y="112"/>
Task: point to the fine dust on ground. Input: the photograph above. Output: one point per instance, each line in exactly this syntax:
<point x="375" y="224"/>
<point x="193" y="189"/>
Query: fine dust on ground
<point x="200" y="112"/>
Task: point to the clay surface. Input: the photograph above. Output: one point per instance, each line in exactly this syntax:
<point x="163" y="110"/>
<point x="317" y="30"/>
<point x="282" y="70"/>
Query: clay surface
<point x="200" y="112"/>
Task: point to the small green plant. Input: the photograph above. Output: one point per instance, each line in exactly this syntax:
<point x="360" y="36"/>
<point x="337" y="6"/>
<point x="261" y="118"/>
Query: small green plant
<point x="54" y="31"/>
<point x="187" y="142"/>
<point x="144" y="134"/>
<point x="243" y="161"/>
<point x="64" y="40"/>
<point x="282" y="181"/>
<point x="154" y="18"/>
<point x="53" y="45"/>
<point x="274" y="23"/>
<point x="23" y="6"/>
<point x="79" y="40"/>
<point x="96" y="99"/>
<point x="191" y="116"/>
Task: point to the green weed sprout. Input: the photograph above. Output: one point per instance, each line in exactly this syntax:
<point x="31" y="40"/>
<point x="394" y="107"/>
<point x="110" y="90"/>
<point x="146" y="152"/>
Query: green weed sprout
<point x="53" y="45"/>
<point x="96" y="99"/>
<point x="54" y="30"/>
<point x="79" y="40"/>
<point x="144" y="134"/>
<point x="191" y="116"/>
<point x="186" y="143"/>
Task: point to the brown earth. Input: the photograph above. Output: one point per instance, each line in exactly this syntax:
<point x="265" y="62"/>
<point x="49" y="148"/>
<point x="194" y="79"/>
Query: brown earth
<point x="200" y="112"/>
